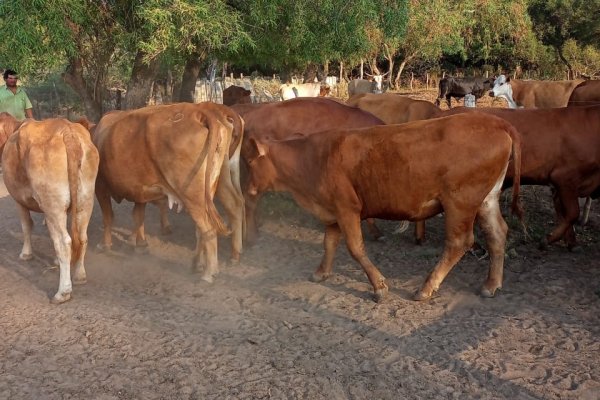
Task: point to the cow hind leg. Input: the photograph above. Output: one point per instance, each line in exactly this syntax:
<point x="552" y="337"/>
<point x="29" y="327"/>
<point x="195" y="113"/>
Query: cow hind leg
<point x="139" y="215"/>
<point x="233" y="203"/>
<point x="26" y="227"/>
<point x="163" y="209"/>
<point x="350" y="226"/>
<point x="83" y="219"/>
<point x="107" y="217"/>
<point x="331" y="241"/>
<point x="459" y="239"/>
<point x="566" y="205"/>
<point x="374" y="230"/>
<point x="205" y="260"/>
<point x="495" y="230"/>
<point x="57" y="226"/>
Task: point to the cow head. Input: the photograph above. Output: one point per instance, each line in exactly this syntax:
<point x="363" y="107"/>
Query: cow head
<point x="261" y="172"/>
<point x="502" y="88"/>
<point x="378" y="82"/>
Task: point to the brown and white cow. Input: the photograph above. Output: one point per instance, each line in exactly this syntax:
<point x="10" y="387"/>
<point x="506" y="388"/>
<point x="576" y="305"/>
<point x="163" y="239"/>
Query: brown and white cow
<point x="533" y="94"/>
<point x="284" y="119"/>
<point x="394" y="109"/>
<point x="409" y="171"/>
<point x="586" y="93"/>
<point x="50" y="166"/>
<point x="177" y="151"/>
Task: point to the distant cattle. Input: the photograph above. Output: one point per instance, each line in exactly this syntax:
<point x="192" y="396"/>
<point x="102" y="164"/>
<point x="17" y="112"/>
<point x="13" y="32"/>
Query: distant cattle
<point x="344" y="176"/>
<point x="50" y="166"/>
<point x="533" y="94"/>
<point x="289" y="91"/>
<point x="236" y="95"/>
<point x="394" y="109"/>
<point x="357" y="86"/>
<point x="586" y="93"/>
<point x="282" y="120"/>
<point x="460" y="87"/>
<point x="181" y="152"/>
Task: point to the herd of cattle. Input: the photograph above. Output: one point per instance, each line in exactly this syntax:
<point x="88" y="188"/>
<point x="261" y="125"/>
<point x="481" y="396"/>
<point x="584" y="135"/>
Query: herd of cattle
<point x="379" y="155"/>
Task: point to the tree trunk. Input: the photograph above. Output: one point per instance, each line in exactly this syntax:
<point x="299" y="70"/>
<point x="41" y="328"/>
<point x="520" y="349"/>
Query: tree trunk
<point x="400" y="69"/>
<point x="569" y="66"/>
<point x="139" y="87"/>
<point x="189" y="78"/>
<point x="73" y="76"/>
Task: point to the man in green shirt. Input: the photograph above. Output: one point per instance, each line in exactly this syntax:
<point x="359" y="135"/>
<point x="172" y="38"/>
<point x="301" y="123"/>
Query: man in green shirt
<point x="13" y="99"/>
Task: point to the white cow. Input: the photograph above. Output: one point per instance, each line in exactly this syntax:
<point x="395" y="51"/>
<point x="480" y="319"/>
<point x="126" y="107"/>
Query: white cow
<point x="533" y="94"/>
<point x="50" y="166"/>
<point x="290" y="90"/>
<point x="357" y="86"/>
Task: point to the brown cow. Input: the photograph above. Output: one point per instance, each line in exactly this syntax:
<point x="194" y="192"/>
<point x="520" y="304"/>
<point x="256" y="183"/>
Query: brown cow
<point x="586" y="93"/>
<point x="560" y="149"/>
<point x="50" y="166"/>
<point x="281" y="120"/>
<point x="178" y="151"/>
<point x="533" y="94"/>
<point x="394" y="109"/>
<point x="236" y="95"/>
<point x="344" y="176"/>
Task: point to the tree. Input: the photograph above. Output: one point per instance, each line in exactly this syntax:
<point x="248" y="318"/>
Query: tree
<point x="434" y="28"/>
<point x="90" y="37"/>
<point x="291" y="34"/>
<point x="557" y="21"/>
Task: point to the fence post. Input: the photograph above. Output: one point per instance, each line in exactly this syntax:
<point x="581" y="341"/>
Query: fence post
<point x="427" y="80"/>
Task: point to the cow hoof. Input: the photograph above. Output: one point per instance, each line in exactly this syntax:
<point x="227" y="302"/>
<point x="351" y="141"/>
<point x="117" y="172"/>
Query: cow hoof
<point x="79" y="281"/>
<point x="421" y="296"/>
<point x="166" y="231"/>
<point x="60" y="298"/>
<point x="577" y="249"/>
<point x="317" y="277"/>
<point x="207" y="278"/>
<point x="488" y="293"/>
<point x="26" y="257"/>
<point x="380" y="294"/>
<point x="103" y="248"/>
<point x="141" y="249"/>
<point x="418" y="241"/>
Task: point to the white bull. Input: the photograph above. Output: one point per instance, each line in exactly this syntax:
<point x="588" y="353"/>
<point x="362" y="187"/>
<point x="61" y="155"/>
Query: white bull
<point x="357" y="86"/>
<point x="291" y="90"/>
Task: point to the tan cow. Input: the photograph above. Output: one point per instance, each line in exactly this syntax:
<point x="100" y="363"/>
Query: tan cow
<point x="410" y="171"/>
<point x="50" y="166"/>
<point x="177" y="151"/>
<point x="533" y="94"/>
<point x="394" y="109"/>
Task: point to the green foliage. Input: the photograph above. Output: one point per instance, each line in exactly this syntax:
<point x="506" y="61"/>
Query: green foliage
<point x="556" y="21"/>
<point x="291" y="34"/>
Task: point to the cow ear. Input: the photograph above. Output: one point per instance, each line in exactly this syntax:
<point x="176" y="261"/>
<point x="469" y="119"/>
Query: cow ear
<point x="508" y="79"/>
<point x="260" y="148"/>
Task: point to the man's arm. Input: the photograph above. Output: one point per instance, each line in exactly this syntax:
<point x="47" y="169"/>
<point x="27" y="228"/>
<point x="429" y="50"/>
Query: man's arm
<point x="29" y="112"/>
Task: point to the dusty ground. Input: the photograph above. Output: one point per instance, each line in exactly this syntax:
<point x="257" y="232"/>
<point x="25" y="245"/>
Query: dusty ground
<point x="146" y="327"/>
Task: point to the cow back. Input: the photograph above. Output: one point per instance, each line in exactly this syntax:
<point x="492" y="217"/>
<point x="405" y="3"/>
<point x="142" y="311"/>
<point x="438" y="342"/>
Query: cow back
<point x="585" y="94"/>
<point x="392" y="108"/>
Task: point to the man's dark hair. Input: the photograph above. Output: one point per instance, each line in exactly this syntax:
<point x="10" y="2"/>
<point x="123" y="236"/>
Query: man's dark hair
<point x="9" y="72"/>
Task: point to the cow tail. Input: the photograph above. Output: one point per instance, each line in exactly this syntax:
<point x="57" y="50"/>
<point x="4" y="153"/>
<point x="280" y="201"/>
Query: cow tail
<point x="213" y="142"/>
<point x="516" y="205"/>
<point x="74" y="160"/>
